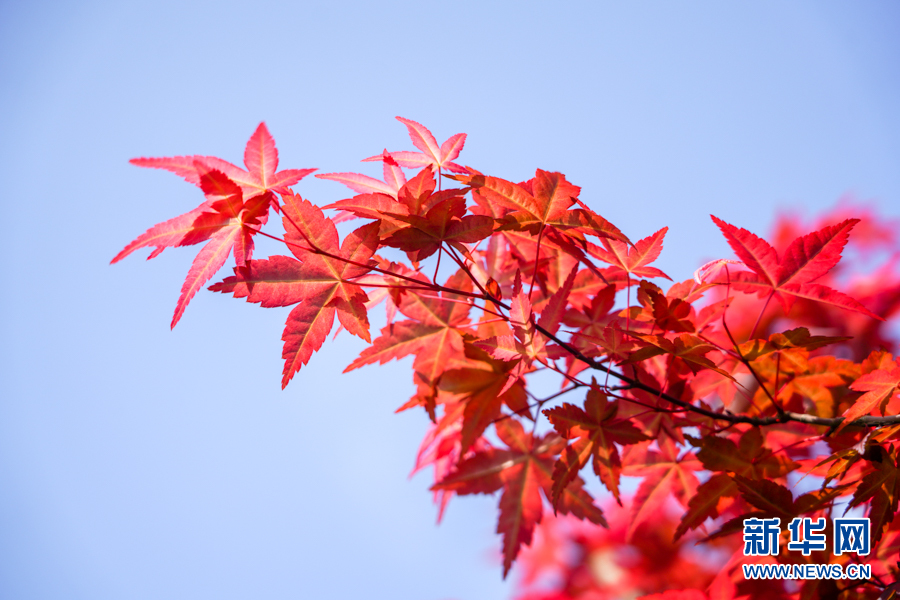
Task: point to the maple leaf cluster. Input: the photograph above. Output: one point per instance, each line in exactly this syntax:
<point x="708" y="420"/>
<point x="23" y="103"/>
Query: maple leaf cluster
<point x="716" y="400"/>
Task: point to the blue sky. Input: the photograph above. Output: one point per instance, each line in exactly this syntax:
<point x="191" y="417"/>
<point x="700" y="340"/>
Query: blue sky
<point x="137" y="462"/>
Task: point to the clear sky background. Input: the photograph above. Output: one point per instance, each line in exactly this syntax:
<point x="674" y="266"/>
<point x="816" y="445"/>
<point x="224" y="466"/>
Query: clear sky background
<point x="136" y="462"/>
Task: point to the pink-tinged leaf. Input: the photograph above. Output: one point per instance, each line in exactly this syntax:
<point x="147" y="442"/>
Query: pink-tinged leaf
<point x="398" y="340"/>
<point x="224" y="217"/>
<point x="754" y="251"/>
<point x="322" y="284"/>
<point x="371" y="206"/>
<point x="812" y="255"/>
<point x="243" y="246"/>
<point x="422" y="139"/>
<point x="183" y="166"/>
<point x="710" y="270"/>
<point x="410" y="160"/>
<point x="666" y="476"/>
<point x="209" y="260"/>
<point x="237" y="203"/>
<point x="258" y="180"/>
<point x="452" y="147"/>
<point x="430" y="155"/>
<point x="249" y="183"/>
<point x="523" y="471"/>
<point x="361" y="184"/>
<point x="261" y="156"/>
<point x="432" y="334"/>
<point x="359" y="246"/>
<point x="180" y="231"/>
<point x="254" y="213"/>
<point x="393" y="174"/>
<point x="417" y="160"/>
<point x="305" y="331"/>
<point x="752" y="283"/>
<point x="632" y="260"/>
<point x="282" y="179"/>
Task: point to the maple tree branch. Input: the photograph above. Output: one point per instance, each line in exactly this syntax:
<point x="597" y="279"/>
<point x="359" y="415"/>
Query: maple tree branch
<point x="514" y="413"/>
<point x="831" y="422"/>
<point x="559" y="393"/>
<point x="490" y="312"/>
<point x="746" y="363"/>
<point x="487" y="295"/>
<point x="868" y="421"/>
<point x="398" y="287"/>
<point x="645" y="405"/>
<point x="671" y="383"/>
<point x="285" y="242"/>
<point x="499" y="319"/>
<point x="876" y="580"/>
<point x="555" y="369"/>
<point x="316" y="250"/>
<point x="424" y="285"/>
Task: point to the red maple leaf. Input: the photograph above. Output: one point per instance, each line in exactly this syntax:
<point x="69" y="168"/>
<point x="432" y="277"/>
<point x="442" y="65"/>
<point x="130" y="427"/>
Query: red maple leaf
<point x="433" y="332"/>
<point x="320" y="281"/>
<point x="394" y="179"/>
<point x="544" y="201"/>
<point x="527" y="344"/>
<point x="445" y="221"/>
<point x="806" y="259"/>
<point x="595" y="431"/>
<point x="665" y="475"/>
<point x="754" y="408"/>
<point x="260" y="158"/>
<point x="441" y="448"/>
<point x="632" y="260"/>
<point x="878" y="385"/>
<point x="225" y="219"/>
<point x="237" y="205"/>
<point x="408" y="213"/>
<point x="523" y="470"/>
<point x="439" y="157"/>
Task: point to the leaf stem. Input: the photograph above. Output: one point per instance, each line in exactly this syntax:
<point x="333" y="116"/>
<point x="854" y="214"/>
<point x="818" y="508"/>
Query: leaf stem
<point x="759" y="318"/>
<point x="537" y="260"/>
